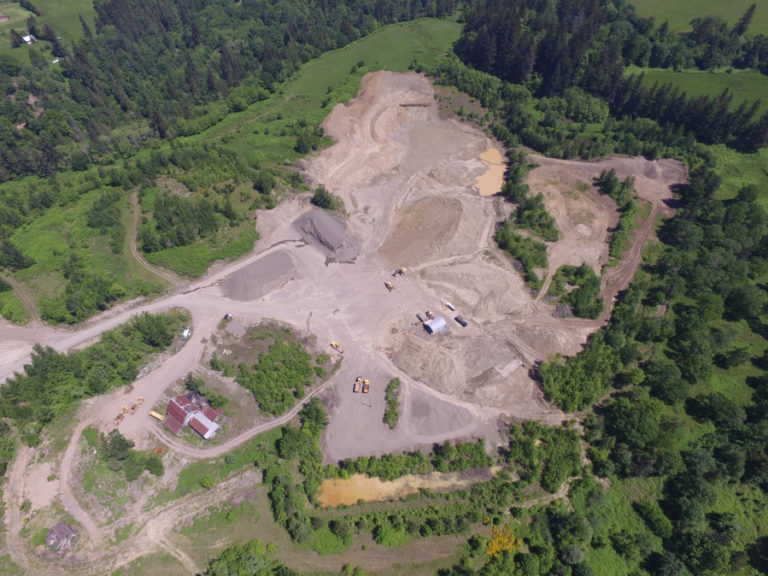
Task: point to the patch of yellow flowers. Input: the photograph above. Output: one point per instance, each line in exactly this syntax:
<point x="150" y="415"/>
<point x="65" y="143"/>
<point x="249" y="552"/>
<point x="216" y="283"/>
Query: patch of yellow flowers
<point x="502" y="540"/>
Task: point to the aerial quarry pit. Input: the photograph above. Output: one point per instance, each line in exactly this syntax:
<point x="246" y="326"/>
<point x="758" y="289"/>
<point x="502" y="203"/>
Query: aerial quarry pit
<point x="419" y="193"/>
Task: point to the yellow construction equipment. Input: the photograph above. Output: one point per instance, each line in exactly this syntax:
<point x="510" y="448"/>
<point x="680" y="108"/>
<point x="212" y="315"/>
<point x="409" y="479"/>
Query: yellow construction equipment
<point x="400" y="272"/>
<point x="358" y="385"/>
<point x="157" y="415"/>
<point x="336" y="346"/>
<point x="389" y="286"/>
<point x="139" y="402"/>
<point x="366" y="387"/>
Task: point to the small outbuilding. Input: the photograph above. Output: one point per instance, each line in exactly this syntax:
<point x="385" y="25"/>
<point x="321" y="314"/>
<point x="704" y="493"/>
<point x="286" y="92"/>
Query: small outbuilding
<point x="29" y="39"/>
<point x="435" y="325"/>
<point x="60" y="537"/>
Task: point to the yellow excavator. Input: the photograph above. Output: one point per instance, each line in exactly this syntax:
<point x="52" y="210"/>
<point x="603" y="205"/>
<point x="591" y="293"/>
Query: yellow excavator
<point x="389" y="286"/>
<point x="336" y="346"/>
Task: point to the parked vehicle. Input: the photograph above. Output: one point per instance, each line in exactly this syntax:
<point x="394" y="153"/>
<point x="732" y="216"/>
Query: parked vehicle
<point x="461" y="321"/>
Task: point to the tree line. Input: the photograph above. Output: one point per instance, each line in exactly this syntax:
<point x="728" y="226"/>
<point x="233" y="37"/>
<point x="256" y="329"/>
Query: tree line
<point x="553" y="47"/>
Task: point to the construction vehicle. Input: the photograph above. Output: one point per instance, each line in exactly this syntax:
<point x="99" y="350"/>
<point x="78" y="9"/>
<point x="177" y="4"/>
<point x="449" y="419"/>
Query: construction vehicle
<point x="139" y="402"/>
<point x="366" y="387"/>
<point x="421" y="318"/>
<point x="461" y="321"/>
<point x="429" y="314"/>
<point x="389" y="286"/>
<point x="450" y="306"/>
<point x="157" y="415"/>
<point x="120" y="417"/>
<point x="336" y="346"/>
<point x="400" y="272"/>
<point x="358" y="384"/>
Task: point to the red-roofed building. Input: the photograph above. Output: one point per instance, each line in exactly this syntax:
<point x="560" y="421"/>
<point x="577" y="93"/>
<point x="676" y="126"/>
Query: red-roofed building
<point x="196" y="412"/>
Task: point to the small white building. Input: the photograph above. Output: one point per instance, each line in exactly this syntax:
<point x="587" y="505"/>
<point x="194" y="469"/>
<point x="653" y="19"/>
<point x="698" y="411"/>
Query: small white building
<point x="185" y="334"/>
<point x="435" y="325"/>
<point x="29" y="39"/>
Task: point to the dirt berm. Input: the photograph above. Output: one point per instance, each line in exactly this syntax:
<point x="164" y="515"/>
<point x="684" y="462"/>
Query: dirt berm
<point x="329" y="234"/>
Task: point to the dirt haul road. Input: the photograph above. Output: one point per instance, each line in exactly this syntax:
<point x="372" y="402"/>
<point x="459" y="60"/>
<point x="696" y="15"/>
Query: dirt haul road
<point x="407" y="178"/>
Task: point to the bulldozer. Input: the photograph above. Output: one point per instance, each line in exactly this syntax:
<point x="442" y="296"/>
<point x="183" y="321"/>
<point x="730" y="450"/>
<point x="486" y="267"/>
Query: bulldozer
<point x="389" y="286"/>
<point x="336" y="346"/>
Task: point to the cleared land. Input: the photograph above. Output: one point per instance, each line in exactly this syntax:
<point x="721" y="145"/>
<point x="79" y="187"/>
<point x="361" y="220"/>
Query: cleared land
<point x="745" y="86"/>
<point x="408" y="179"/>
<point x="680" y="13"/>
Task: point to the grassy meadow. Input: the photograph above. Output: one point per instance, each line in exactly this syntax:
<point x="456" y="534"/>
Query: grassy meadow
<point x="63" y="17"/>
<point x="679" y="13"/>
<point x="745" y="86"/>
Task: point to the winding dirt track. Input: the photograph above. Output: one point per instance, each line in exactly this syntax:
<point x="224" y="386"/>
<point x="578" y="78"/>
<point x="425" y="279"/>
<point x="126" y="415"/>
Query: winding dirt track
<point x="173" y="280"/>
<point x="23" y="294"/>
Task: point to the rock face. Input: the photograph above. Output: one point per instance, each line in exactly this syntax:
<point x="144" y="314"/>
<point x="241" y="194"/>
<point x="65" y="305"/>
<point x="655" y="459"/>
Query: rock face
<point x="329" y="234"/>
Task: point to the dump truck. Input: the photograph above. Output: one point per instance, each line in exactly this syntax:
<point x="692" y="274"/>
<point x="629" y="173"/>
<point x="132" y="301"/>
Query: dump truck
<point x="461" y="321"/>
<point x="157" y="415"/>
<point x="366" y="387"/>
<point x="358" y="384"/>
<point x="389" y="286"/>
<point x="336" y="346"/>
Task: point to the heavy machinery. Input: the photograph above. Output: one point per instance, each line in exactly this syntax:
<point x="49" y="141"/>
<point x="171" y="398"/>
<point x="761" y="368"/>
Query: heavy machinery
<point x="461" y="321"/>
<point x="429" y="314"/>
<point x="366" y="386"/>
<point x="389" y="286"/>
<point x="336" y="346"/>
<point x="400" y="271"/>
<point x="139" y="402"/>
<point x="358" y="384"/>
<point x="122" y="415"/>
<point x="156" y="415"/>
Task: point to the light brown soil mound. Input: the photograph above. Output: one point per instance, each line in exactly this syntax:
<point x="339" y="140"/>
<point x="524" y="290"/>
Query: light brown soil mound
<point x="421" y="230"/>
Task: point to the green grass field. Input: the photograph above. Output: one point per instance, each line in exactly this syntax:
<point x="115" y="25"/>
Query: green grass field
<point x="747" y="86"/>
<point x="62" y="16"/>
<point x="679" y="13"/>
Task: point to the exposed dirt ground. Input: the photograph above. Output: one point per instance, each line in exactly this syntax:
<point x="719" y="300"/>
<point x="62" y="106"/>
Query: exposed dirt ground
<point x="409" y="181"/>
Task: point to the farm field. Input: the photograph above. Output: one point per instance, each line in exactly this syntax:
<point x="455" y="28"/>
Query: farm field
<point x="63" y="17"/>
<point x="679" y="13"/>
<point x="745" y="86"/>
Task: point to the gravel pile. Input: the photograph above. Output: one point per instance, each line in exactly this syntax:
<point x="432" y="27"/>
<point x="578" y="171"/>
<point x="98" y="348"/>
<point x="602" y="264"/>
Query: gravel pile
<point x="329" y="234"/>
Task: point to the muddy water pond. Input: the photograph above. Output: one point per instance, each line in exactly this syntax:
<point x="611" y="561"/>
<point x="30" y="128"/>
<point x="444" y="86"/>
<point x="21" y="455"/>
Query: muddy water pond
<point x="348" y="491"/>
<point x="491" y="181"/>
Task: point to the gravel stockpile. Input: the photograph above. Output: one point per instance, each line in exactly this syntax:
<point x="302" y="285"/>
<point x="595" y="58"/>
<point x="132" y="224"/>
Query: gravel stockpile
<point x="329" y="234"/>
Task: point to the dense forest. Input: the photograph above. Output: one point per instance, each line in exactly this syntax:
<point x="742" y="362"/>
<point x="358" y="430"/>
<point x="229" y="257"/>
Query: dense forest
<point x="552" y="47"/>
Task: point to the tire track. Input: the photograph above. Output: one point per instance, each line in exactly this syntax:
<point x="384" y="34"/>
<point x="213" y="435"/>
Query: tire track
<point x="173" y="280"/>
